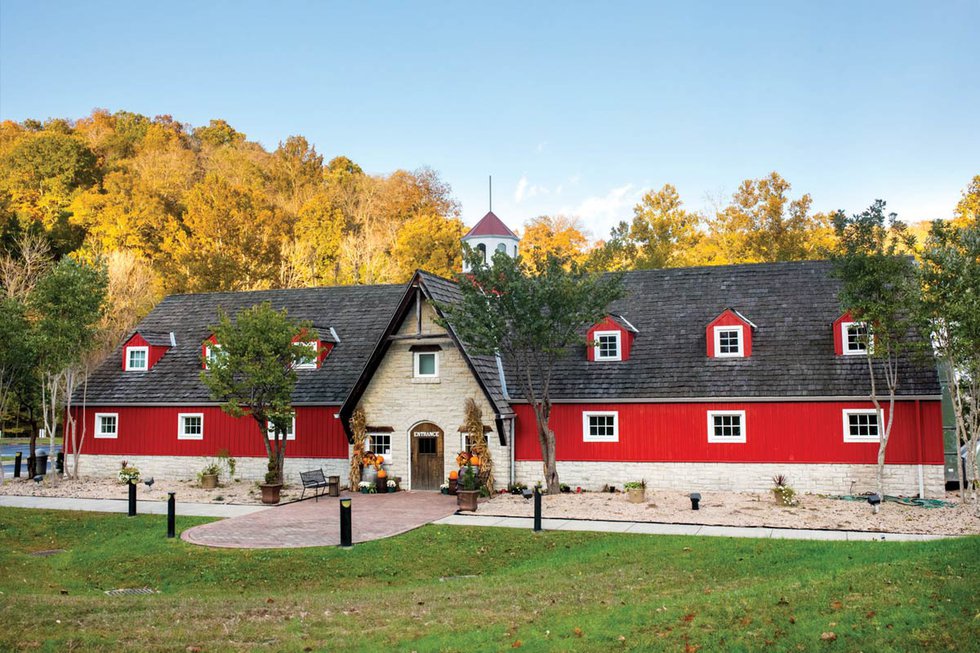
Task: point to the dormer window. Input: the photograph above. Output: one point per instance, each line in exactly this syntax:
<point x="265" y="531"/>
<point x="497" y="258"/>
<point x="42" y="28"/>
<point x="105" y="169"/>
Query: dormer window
<point x="854" y="336"/>
<point x="728" y="342"/>
<point x="608" y="346"/>
<point x="308" y="361"/>
<point x="211" y="354"/>
<point x="137" y="359"/>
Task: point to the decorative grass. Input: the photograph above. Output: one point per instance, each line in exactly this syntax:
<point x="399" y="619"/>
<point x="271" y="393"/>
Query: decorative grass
<point x="550" y="591"/>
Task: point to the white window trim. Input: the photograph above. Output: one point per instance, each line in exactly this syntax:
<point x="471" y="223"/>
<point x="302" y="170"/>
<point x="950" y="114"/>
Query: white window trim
<point x="180" y="427"/>
<point x="619" y="345"/>
<point x="270" y="431"/>
<point x="145" y="350"/>
<point x="314" y="347"/>
<point x="845" y="415"/>
<point x="415" y="365"/>
<point x="98" y="426"/>
<point x="391" y="449"/>
<point x="741" y="341"/>
<point x="586" y="432"/>
<point x="714" y="439"/>
<point x="845" y="345"/>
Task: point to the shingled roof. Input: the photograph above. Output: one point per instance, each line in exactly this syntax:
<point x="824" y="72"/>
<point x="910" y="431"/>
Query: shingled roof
<point x="358" y="314"/>
<point x="793" y="306"/>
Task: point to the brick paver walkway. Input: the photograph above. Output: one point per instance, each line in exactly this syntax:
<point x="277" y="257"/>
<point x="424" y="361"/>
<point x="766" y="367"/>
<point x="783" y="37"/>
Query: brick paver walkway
<point x="310" y="523"/>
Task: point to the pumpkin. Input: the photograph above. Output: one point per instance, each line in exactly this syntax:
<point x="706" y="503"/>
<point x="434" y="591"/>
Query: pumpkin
<point x="382" y="473"/>
<point x="475" y="461"/>
<point x="453" y="475"/>
<point x="380" y="459"/>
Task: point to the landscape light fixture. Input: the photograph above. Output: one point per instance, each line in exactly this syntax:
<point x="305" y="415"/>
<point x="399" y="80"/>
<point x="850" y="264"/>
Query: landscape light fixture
<point x="527" y="494"/>
<point x="695" y="500"/>
<point x="874" y="500"/>
<point x="346" y="535"/>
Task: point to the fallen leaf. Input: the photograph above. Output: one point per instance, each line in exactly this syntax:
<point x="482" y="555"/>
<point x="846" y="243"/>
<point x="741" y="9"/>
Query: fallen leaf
<point x="870" y="614"/>
<point x="577" y="632"/>
<point x="828" y="636"/>
<point x="516" y="644"/>
<point x="836" y="605"/>
<point x="689" y="617"/>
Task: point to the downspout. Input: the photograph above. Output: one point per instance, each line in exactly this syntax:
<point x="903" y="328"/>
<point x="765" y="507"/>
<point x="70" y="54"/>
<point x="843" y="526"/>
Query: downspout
<point x="918" y="446"/>
<point x="513" y="445"/>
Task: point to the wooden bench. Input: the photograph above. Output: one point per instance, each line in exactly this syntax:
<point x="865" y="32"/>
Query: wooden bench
<point x="313" y="480"/>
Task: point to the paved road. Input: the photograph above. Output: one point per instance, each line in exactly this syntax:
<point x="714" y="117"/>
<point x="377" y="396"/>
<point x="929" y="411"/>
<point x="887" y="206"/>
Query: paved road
<point x="12" y="449"/>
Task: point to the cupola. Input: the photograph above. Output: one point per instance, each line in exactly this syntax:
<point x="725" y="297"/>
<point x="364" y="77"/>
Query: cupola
<point x="491" y="235"/>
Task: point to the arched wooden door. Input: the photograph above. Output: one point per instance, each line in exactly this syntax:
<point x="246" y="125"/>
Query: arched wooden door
<point x="427" y="463"/>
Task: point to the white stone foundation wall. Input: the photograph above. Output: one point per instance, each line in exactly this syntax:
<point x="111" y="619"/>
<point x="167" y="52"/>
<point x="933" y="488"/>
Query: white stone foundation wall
<point x="187" y="467"/>
<point x="742" y="477"/>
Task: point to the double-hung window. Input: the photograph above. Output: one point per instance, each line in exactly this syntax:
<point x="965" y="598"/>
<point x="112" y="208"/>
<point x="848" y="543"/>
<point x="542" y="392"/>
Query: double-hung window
<point x="855" y="336"/>
<point x="107" y="425"/>
<point x="600" y="426"/>
<point x="607" y="346"/>
<point x="380" y="443"/>
<point x="190" y="426"/>
<point x="726" y="426"/>
<point x="290" y="430"/>
<point x="137" y="359"/>
<point x="861" y="425"/>
<point x="728" y="342"/>
<point x="308" y="360"/>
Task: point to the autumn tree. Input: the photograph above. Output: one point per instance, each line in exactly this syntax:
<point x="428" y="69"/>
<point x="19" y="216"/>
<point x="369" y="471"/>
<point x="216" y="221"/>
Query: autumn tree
<point x="880" y="288"/>
<point x="548" y="237"/>
<point x="968" y="208"/>
<point x="662" y="234"/>
<point x="429" y="242"/>
<point x="762" y="224"/>
<point x="532" y="321"/>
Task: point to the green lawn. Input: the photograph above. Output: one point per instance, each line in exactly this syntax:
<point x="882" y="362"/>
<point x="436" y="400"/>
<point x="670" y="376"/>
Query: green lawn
<point x="551" y="591"/>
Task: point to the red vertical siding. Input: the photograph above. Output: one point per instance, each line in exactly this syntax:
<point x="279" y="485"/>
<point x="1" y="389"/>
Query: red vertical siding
<point x="609" y="324"/>
<point x="809" y="432"/>
<point x="152" y="430"/>
<point x="154" y="353"/>
<point x="729" y="318"/>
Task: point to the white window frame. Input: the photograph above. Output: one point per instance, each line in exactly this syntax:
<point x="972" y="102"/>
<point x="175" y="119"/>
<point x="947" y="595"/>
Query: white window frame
<point x="389" y="455"/>
<point x="845" y="342"/>
<point x="314" y="347"/>
<point x="721" y="439"/>
<point x="845" y="417"/>
<point x="99" y="434"/>
<point x="587" y="432"/>
<point x="146" y="353"/>
<point x="210" y="353"/>
<point x="271" y="432"/>
<point x="741" y="341"/>
<point x="415" y="364"/>
<point x="183" y="435"/>
<point x="618" y="356"/>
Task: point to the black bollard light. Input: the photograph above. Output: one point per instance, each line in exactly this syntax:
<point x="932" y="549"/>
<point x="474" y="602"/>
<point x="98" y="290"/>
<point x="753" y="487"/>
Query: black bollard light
<point x="537" y="509"/>
<point x="132" y="499"/>
<point x="695" y="500"/>
<point x="346" y="537"/>
<point x="874" y="501"/>
<point x="171" y="515"/>
<point x="18" y="457"/>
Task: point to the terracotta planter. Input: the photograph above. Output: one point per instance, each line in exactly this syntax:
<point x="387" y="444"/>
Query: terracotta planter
<point x="636" y="495"/>
<point x="270" y="493"/>
<point x="209" y="481"/>
<point x="466" y="499"/>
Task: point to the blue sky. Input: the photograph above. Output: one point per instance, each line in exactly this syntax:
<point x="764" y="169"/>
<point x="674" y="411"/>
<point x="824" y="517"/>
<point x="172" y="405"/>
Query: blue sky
<point x="574" y="108"/>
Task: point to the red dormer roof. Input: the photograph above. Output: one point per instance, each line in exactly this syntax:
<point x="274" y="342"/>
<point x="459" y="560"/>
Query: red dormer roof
<point x="490" y="225"/>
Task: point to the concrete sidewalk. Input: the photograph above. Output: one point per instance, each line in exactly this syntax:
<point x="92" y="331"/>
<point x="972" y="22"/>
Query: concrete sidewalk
<point x="649" y="528"/>
<point x="122" y="505"/>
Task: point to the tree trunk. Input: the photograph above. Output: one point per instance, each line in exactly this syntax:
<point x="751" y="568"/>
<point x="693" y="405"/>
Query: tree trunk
<point x="546" y="437"/>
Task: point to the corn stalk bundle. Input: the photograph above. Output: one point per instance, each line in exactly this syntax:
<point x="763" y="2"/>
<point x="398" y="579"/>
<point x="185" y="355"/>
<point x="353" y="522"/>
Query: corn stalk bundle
<point x="478" y="439"/>
<point x="358" y="425"/>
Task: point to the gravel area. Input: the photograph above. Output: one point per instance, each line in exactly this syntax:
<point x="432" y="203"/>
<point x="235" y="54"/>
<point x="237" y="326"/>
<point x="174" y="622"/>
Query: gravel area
<point x="746" y="509"/>
<point x="237" y="492"/>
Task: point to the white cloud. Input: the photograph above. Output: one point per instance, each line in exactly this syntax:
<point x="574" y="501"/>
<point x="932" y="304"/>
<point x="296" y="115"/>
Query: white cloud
<point x="520" y="190"/>
<point x="541" y="146"/>
<point x="600" y="213"/>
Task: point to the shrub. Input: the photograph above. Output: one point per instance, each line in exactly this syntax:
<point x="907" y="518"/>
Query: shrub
<point x="784" y="494"/>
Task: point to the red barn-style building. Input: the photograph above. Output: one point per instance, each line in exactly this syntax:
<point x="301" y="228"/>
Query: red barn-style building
<point x="699" y="379"/>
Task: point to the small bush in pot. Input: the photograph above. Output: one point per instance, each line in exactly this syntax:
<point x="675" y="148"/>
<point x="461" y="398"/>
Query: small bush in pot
<point x="782" y="492"/>
<point x="636" y="491"/>
<point x="467" y="495"/>
<point x="208" y="476"/>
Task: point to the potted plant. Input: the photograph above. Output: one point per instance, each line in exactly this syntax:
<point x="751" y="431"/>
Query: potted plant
<point x="782" y="492"/>
<point x="444" y="488"/>
<point x="392" y="485"/>
<point x="208" y="476"/>
<point x="466" y="497"/>
<point x="128" y="473"/>
<point x="273" y="484"/>
<point x="453" y="484"/>
<point x="636" y="491"/>
<point x="364" y="487"/>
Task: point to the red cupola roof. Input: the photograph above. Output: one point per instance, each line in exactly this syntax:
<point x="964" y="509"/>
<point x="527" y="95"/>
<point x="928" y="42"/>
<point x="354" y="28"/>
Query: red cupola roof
<point x="490" y="225"/>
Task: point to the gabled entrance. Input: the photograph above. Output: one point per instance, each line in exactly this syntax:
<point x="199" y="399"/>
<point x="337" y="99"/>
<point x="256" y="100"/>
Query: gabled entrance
<point x="427" y="463"/>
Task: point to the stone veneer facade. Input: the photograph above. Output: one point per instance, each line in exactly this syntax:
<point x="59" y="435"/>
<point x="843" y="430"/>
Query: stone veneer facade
<point x="395" y="398"/>
<point x="742" y="477"/>
<point x="187" y="467"/>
